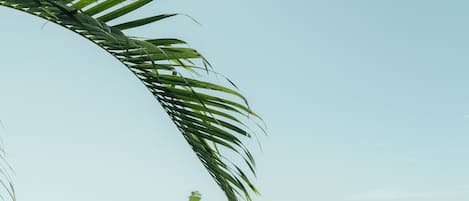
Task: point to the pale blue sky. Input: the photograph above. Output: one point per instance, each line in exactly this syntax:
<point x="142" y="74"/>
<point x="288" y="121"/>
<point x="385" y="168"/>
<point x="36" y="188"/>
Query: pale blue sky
<point x="365" y="100"/>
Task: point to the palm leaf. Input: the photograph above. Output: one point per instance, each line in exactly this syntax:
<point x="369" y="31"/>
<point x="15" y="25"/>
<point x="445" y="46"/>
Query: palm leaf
<point x="208" y="115"/>
<point x="6" y="183"/>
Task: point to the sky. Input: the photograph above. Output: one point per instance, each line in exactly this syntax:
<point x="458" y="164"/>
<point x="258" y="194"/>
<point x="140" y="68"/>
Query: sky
<point x="364" y="100"/>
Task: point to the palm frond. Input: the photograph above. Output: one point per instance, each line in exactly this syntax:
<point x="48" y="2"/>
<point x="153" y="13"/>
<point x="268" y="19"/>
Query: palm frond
<point x="209" y="116"/>
<point x="7" y="191"/>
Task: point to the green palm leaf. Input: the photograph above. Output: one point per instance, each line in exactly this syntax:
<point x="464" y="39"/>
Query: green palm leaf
<point x="207" y="114"/>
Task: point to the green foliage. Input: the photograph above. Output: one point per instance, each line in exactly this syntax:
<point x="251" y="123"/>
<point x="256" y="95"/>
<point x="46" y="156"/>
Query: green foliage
<point x="195" y="196"/>
<point x="211" y="117"/>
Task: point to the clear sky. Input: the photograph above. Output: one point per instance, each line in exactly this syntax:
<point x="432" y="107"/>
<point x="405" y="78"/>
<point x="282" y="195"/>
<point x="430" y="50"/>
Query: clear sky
<point x="365" y="100"/>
